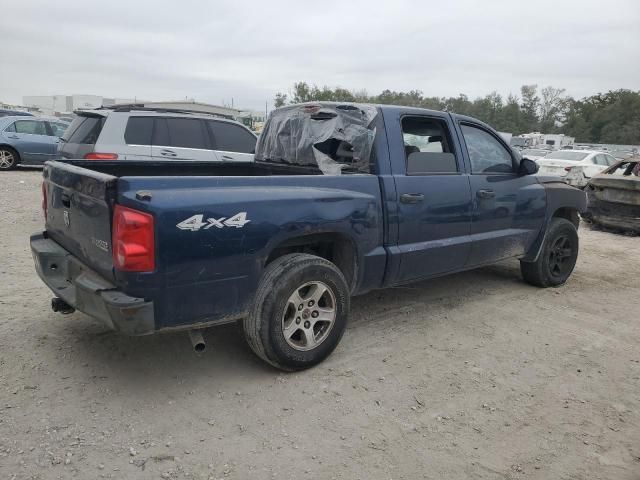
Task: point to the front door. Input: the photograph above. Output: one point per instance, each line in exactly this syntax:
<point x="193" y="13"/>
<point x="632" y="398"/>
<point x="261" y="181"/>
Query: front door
<point x="434" y="200"/>
<point x="508" y="209"/>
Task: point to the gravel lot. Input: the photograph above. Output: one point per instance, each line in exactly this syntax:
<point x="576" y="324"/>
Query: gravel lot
<point x="477" y="375"/>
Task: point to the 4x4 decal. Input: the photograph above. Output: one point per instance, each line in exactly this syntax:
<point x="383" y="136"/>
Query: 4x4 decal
<point x="196" y="222"/>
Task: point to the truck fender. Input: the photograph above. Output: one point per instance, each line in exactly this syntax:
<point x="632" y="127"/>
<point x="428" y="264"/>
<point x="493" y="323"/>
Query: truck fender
<point x="563" y="201"/>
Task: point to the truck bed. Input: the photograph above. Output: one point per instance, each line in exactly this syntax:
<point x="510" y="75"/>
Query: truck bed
<point x="170" y="168"/>
<point x="215" y="226"/>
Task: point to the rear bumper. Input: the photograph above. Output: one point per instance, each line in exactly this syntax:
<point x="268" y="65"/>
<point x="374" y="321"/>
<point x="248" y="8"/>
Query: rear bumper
<point x="88" y="292"/>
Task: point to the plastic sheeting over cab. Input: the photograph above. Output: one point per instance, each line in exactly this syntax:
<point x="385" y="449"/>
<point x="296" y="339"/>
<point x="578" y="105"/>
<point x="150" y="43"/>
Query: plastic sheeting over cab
<point x="336" y="138"/>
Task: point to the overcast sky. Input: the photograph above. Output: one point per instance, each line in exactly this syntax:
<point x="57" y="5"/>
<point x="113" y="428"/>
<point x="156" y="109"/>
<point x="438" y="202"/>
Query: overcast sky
<point x="213" y="51"/>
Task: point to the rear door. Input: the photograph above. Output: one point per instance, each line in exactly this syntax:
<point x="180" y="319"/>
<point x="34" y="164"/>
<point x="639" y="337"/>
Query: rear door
<point x="508" y="209"/>
<point x="178" y="138"/>
<point x="31" y="139"/>
<point x="233" y="142"/>
<point x="79" y="213"/>
<point x="433" y="197"/>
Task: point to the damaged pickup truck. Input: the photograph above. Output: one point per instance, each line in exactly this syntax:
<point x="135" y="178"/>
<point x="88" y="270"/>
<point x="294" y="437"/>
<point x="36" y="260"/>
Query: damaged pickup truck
<point x="342" y="199"/>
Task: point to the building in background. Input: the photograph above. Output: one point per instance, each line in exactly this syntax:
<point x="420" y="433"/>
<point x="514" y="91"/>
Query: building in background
<point x="250" y="118"/>
<point x="60" y="105"/>
<point x="552" y="141"/>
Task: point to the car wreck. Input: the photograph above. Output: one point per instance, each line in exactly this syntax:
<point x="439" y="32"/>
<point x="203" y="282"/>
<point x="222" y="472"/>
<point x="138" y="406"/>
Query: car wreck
<point x="614" y="196"/>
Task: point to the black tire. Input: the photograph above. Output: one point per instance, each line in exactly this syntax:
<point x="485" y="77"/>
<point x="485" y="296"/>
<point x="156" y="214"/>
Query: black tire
<point x="264" y="327"/>
<point x="557" y="258"/>
<point x="12" y="155"/>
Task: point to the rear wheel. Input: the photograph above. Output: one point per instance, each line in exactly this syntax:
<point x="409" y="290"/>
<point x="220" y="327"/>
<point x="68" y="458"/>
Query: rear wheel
<point x="557" y="258"/>
<point x="8" y="158"/>
<point x="300" y="312"/>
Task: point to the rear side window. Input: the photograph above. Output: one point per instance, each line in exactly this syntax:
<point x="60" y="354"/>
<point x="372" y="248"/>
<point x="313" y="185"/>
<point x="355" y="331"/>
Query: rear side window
<point x="30" y="126"/>
<point x="601" y="160"/>
<point x="486" y="153"/>
<point x="84" y="130"/>
<point x="139" y="130"/>
<point x="427" y="146"/>
<point x="180" y="132"/>
<point x="231" y="138"/>
<point x="57" y="129"/>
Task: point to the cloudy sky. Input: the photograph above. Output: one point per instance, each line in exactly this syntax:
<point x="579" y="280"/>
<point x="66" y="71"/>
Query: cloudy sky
<point x="249" y="50"/>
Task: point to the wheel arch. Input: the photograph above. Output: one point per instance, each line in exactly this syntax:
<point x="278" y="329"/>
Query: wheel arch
<point x="338" y="248"/>
<point x="569" y="213"/>
<point x="12" y="148"/>
<point x="563" y="201"/>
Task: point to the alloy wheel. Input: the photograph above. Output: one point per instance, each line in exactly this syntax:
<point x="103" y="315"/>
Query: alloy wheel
<point x="309" y="316"/>
<point x="7" y="159"/>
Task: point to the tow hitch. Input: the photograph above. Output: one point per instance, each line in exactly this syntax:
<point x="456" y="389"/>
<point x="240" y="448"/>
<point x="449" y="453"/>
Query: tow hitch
<point x="59" y="305"/>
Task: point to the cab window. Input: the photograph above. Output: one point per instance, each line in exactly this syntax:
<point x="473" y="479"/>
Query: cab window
<point x="427" y="146"/>
<point x="486" y="154"/>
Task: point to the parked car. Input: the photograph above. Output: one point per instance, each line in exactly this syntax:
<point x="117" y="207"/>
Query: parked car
<point x="14" y="113"/>
<point x="341" y="200"/>
<point x="535" y="154"/>
<point x="137" y="133"/>
<point x="28" y="140"/>
<point x="578" y="166"/>
<point x="613" y="197"/>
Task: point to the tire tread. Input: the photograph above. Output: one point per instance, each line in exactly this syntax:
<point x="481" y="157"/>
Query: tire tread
<point x="252" y="324"/>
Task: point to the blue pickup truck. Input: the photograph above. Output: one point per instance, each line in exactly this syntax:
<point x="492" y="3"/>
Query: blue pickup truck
<point x="341" y="199"/>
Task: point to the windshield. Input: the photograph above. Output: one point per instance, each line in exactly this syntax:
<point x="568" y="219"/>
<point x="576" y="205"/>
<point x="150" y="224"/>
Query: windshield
<point x="535" y="153"/>
<point x="567" y="155"/>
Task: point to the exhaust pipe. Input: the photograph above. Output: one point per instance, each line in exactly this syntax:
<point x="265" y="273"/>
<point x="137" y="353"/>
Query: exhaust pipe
<point x="197" y="341"/>
<point x="59" y="305"/>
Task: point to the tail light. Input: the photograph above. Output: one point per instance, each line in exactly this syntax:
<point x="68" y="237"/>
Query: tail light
<point x="100" y="156"/>
<point x="44" y="200"/>
<point x="133" y="240"/>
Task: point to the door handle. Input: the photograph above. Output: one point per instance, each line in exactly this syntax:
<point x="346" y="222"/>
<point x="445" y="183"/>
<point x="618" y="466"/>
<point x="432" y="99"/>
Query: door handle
<point x="411" y="198"/>
<point x="485" y="193"/>
<point x="66" y="200"/>
<point x="15" y="137"/>
<point x="168" y="153"/>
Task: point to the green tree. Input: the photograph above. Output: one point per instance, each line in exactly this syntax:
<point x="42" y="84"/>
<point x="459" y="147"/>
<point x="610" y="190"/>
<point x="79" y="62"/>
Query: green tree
<point x="280" y="100"/>
<point x="553" y="107"/>
<point x="529" y="106"/>
<point x="611" y="117"/>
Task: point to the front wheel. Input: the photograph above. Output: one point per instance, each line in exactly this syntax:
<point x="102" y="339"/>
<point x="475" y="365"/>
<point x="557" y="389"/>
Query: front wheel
<point x="557" y="258"/>
<point x="300" y="312"/>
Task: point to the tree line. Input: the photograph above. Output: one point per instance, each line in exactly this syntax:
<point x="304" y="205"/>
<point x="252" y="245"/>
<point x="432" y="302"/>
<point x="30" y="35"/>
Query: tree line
<point x="612" y="117"/>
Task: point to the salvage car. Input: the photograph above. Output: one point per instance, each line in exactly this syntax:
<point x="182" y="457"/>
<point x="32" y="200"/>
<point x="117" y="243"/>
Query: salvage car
<point x="342" y="199"/>
<point x="28" y="140"/>
<point x="535" y="154"/>
<point x="576" y="166"/>
<point x="613" y="197"/>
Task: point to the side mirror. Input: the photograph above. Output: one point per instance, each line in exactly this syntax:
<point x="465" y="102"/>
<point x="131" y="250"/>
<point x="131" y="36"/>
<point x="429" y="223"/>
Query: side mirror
<point x="527" y="167"/>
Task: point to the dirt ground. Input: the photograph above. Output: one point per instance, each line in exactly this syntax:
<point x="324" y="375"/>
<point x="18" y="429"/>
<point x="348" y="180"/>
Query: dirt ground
<point x="477" y="375"/>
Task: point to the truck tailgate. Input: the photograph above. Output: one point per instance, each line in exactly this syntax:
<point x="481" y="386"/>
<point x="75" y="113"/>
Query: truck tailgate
<point x="79" y="212"/>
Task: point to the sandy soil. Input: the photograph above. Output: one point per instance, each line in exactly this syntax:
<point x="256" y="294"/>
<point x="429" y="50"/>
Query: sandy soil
<point x="477" y="375"/>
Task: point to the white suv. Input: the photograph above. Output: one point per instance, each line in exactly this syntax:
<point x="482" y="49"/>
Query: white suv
<point x="137" y="133"/>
